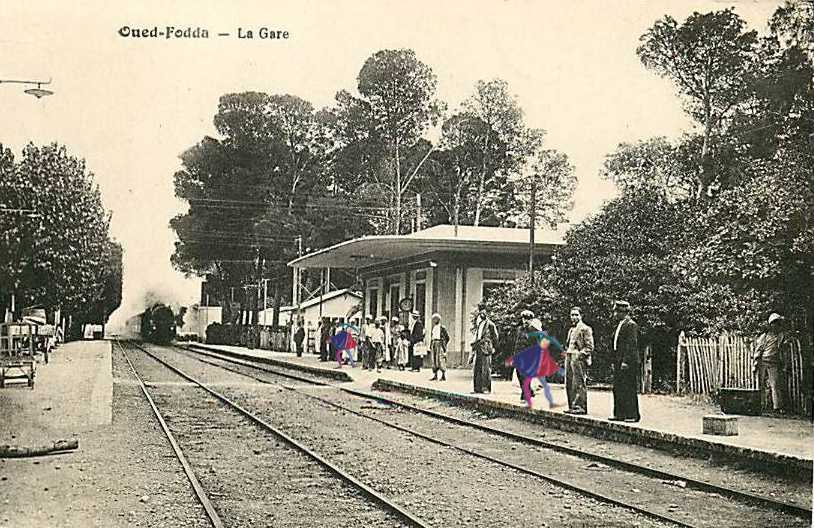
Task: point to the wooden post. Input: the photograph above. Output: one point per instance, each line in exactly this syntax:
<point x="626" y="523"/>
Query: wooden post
<point x="647" y="379"/>
<point x="679" y="364"/>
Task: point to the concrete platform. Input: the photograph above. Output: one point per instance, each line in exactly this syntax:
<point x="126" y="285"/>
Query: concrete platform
<point x="71" y="394"/>
<point x="668" y="422"/>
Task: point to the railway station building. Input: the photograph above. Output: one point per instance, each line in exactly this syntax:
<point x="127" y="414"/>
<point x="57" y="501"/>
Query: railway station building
<point x="440" y="269"/>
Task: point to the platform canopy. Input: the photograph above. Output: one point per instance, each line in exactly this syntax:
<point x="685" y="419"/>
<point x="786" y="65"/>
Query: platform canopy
<point x="371" y="250"/>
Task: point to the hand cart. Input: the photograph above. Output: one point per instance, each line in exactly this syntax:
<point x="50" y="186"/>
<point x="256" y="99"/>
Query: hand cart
<point x="17" y="352"/>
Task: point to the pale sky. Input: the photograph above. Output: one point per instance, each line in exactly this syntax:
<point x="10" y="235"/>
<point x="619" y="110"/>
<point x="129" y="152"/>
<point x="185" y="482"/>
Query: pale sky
<point x="131" y="106"/>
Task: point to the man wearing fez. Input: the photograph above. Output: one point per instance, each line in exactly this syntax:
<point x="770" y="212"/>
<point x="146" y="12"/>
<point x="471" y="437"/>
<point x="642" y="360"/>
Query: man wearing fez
<point x="483" y="347"/>
<point x="625" y="365"/>
<point x="580" y="344"/>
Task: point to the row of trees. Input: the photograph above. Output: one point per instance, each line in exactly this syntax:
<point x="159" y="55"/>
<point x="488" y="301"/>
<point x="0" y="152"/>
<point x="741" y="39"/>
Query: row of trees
<point x="282" y="170"/>
<point x="55" y="247"/>
<point x="712" y="231"/>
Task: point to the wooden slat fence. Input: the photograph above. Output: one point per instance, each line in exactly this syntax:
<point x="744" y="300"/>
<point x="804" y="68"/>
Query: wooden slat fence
<point x="274" y="339"/>
<point x="706" y="364"/>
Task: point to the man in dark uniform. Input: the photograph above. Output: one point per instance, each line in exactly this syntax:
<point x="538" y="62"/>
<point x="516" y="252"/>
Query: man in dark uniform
<point x="299" y="337"/>
<point x="625" y="365"/>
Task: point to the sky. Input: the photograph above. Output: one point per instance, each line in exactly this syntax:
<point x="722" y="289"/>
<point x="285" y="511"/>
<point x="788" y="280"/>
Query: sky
<point x="131" y="106"/>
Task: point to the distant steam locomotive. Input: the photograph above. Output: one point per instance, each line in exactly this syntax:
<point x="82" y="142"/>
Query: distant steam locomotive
<point x="158" y="324"/>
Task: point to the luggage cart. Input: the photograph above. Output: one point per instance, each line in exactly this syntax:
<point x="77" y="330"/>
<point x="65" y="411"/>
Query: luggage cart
<point x="17" y="359"/>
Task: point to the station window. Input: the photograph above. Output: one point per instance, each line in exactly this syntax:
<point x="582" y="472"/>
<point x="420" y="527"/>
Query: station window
<point x="420" y="299"/>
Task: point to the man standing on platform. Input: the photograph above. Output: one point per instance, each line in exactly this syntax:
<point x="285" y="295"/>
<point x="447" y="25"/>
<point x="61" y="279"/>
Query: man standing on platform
<point x="483" y="348"/>
<point x="439" y="338"/>
<point x="364" y="342"/>
<point x="579" y="345"/>
<point x="325" y="338"/>
<point x="625" y="365"/>
<point x="768" y="360"/>
<point x="416" y="338"/>
<point x="299" y="337"/>
<point x="376" y="339"/>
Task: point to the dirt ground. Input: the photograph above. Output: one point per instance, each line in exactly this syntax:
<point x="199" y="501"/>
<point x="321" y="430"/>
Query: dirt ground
<point x="124" y="472"/>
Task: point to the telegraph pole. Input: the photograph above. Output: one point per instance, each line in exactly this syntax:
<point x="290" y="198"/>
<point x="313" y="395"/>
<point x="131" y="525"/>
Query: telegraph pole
<point x="532" y="224"/>
<point x="418" y="211"/>
<point x="297" y="278"/>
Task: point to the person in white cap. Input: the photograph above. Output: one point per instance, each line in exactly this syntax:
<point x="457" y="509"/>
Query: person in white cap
<point x="439" y="338"/>
<point x="768" y="359"/>
<point x="376" y="339"/>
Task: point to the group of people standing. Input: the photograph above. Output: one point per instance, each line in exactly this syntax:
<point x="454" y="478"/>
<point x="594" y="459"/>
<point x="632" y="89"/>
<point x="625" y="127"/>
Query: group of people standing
<point x="379" y="342"/>
<point x="575" y="356"/>
<point x="382" y="343"/>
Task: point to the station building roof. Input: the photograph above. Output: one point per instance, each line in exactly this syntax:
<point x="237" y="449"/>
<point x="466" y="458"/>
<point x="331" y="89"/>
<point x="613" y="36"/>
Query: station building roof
<point x="371" y="250"/>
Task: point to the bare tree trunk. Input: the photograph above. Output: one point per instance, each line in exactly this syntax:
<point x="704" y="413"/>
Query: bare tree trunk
<point x="293" y="192"/>
<point x="457" y="208"/>
<point x="481" y="180"/>
<point x="703" y="178"/>
<point x="397" y="229"/>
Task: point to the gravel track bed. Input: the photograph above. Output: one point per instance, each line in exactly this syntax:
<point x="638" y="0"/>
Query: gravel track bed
<point x="252" y="477"/>
<point x="443" y="486"/>
<point x="686" y="504"/>
<point x="790" y="490"/>
<point x="154" y="481"/>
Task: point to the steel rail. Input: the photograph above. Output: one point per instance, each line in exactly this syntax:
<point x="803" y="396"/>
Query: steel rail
<point x="701" y="485"/>
<point x="548" y="478"/>
<point x="203" y="498"/>
<point x="400" y="512"/>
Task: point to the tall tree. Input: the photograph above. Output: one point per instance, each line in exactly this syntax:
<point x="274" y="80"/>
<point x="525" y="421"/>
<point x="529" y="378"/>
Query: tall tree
<point x="54" y="248"/>
<point x="453" y="171"/>
<point x="793" y="24"/>
<point x="248" y="191"/>
<point x="754" y="247"/>
<point x="547" y="178"/>
<point x="498" y="110"/>
<point x="655" y="162"/>
<point x="711" y="59"/>
<point x="398" y="91"/>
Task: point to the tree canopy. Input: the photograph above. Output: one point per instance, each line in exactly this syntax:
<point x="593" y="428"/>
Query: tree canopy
<point x="55" y="249"/>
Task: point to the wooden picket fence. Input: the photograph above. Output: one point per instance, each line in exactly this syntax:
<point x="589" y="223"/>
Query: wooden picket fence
<point x="705" y="365"/>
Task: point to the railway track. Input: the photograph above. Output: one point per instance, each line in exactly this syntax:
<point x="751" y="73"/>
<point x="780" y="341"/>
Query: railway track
<point x="398" y="515"/>
<point x="797" y="515"/>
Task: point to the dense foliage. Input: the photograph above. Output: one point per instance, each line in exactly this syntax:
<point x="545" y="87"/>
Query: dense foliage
<point x="713" y="230"/>
<point x="281" y="172"/>
<point x="55" y="249"/>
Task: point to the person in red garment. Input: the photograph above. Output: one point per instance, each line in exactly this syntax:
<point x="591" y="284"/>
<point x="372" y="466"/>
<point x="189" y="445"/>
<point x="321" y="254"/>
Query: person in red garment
<point x="537" y="361"/>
